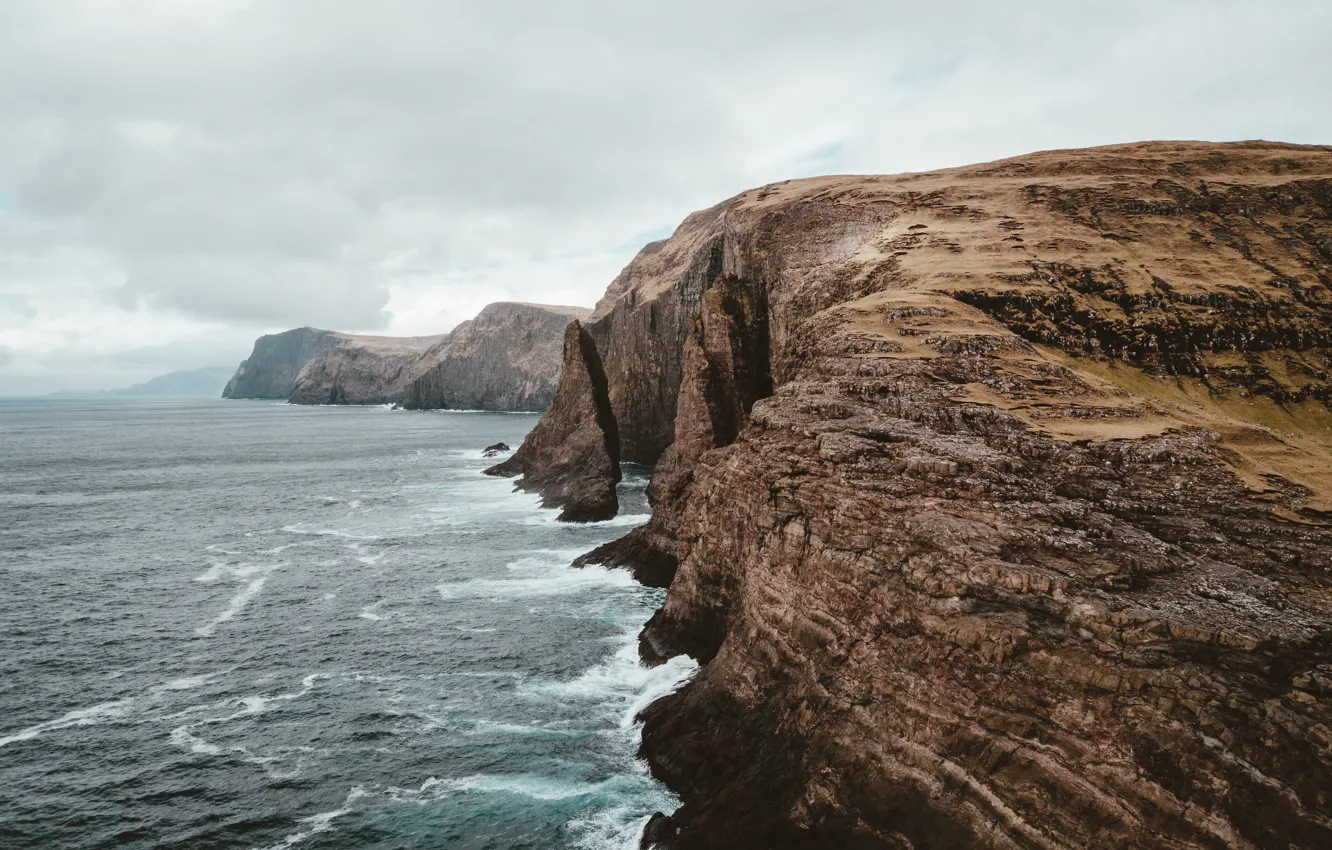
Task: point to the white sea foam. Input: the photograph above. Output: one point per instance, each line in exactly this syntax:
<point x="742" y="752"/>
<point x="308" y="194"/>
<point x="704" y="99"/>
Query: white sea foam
<point x="182" y="737"/>
<point x="315" y="824"/>
<point x="551" y="518"/>
<point x="239" y="601"/>
<point x="622" y="683"/>
<point x="523" y="784"/>
<point x="368" y="612"/>
<point x="184" y="684"/>
<point x="80" y="717"/>
<point x="259" y="704"/>
<point x="566" y="580"/>
<point x="614" y="828"/>
<point x="359" y="553"/>
<point x="303" y="528"/>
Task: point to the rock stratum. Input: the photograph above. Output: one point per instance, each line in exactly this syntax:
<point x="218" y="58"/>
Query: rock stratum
<point x="996" y="503"/>
<point x="507" y="358"/>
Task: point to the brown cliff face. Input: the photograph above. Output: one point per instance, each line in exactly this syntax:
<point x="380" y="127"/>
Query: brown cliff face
<point x="572" y="456"/>
<point x="1029" y="546"/>
<point x="507" y="358"/>
<point x="724" y="371"/>
<point x="352" y="369"/>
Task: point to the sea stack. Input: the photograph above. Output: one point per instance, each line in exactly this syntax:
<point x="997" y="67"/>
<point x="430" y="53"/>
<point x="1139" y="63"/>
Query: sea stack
<point x="572" y="456"/>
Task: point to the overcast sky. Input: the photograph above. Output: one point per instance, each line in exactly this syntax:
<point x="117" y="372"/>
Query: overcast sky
<point x="180" y="176"/>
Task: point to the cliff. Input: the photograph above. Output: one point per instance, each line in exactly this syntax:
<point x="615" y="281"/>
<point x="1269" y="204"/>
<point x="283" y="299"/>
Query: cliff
<point x="349" y="369"/>
<point x="997" y="503"/>
<point x="277" y="359"/>
<point x="572" y="456"/>
<point x="507" y="358"/>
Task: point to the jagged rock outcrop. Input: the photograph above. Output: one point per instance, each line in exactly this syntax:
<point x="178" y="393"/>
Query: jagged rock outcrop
<point x="1030" y="545"/>
<point x="507" y="358"/>
<point x="572" y="456"/>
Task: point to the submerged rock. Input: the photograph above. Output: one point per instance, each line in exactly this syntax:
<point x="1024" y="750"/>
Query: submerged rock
<point x="572" y="456"/>
<point x="495" y="449"/>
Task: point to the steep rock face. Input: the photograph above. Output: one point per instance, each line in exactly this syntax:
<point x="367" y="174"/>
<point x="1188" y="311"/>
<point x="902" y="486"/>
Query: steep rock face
<point x="572" y="456"/>
<point x="724" y="370"/>
<point x="277" y="359"/>
<point x="507" y="358"/>
<point x="1030" y="544"/>
<point x="351" y="369"/>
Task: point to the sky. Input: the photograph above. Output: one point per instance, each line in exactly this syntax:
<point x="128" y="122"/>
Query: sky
<point x="178" y="177"/>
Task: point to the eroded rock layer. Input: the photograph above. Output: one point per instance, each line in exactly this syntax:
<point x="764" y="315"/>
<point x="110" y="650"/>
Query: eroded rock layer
<point x="572" y="456"/>
<point x="1028" y="545"/>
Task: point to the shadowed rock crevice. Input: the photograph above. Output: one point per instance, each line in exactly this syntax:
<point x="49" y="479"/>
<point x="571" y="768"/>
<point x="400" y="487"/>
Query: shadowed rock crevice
<point x="725" y="370"/>
<point x="572" y="456"/>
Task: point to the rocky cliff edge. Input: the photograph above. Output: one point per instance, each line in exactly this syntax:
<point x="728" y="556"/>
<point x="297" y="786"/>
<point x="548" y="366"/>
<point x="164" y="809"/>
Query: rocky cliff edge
<point x="996" y="502"/>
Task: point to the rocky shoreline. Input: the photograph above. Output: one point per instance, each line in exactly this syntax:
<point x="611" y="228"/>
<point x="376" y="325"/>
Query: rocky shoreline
<point x="996" y="502"/>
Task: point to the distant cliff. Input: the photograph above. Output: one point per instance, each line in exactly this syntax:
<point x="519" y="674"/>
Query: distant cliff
<point x="351" y="369"/>
<point x="507" y="358"/>
<point x="277" y="359"/>
<point x="996" y="503"/>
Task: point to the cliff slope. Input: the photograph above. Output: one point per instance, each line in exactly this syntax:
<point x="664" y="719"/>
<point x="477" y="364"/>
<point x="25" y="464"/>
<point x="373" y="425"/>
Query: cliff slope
<point x="352" y="369"/>
<point x="1000" y="508"/>
<point x="271" y="369"/>
<point x="507" y="358"/>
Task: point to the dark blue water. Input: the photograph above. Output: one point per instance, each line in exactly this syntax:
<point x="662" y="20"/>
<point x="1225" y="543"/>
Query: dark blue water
<point x="240" y="624"/>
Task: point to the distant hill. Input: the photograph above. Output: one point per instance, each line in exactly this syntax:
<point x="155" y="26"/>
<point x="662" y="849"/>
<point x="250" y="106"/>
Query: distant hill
<point x="186" y="384"/>
<point x="190" y="383"/>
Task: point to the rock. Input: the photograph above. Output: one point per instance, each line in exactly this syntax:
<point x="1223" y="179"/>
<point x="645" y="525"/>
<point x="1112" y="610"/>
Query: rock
<point x="572" y="456"/>
<point x="507" y="358"/>
<point x="495" y="450"/>
<point x="1028" y="544"/>
<point x="361" y="369"/>
<point x="277" y="359"/>
<point x="657" y="831"/>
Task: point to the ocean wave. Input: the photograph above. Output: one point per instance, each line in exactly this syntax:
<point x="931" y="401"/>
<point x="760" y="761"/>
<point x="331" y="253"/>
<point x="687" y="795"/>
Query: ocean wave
<point x="568" y="580"/>
<point x="90" y="716"/>
<point x="621" y="683"/>
<point x="315" y="824"/>
<point x="239" y="601"/>
<point x="524" y="784"/>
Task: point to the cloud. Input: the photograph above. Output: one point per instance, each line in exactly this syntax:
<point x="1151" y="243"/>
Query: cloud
<point x="178" y="167"/>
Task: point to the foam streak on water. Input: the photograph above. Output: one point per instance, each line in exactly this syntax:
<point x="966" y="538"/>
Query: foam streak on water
<point x="236" y="624"/>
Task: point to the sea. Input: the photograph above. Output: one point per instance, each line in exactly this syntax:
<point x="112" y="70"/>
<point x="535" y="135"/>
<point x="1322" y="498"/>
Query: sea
<point x="242" y="624"/>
